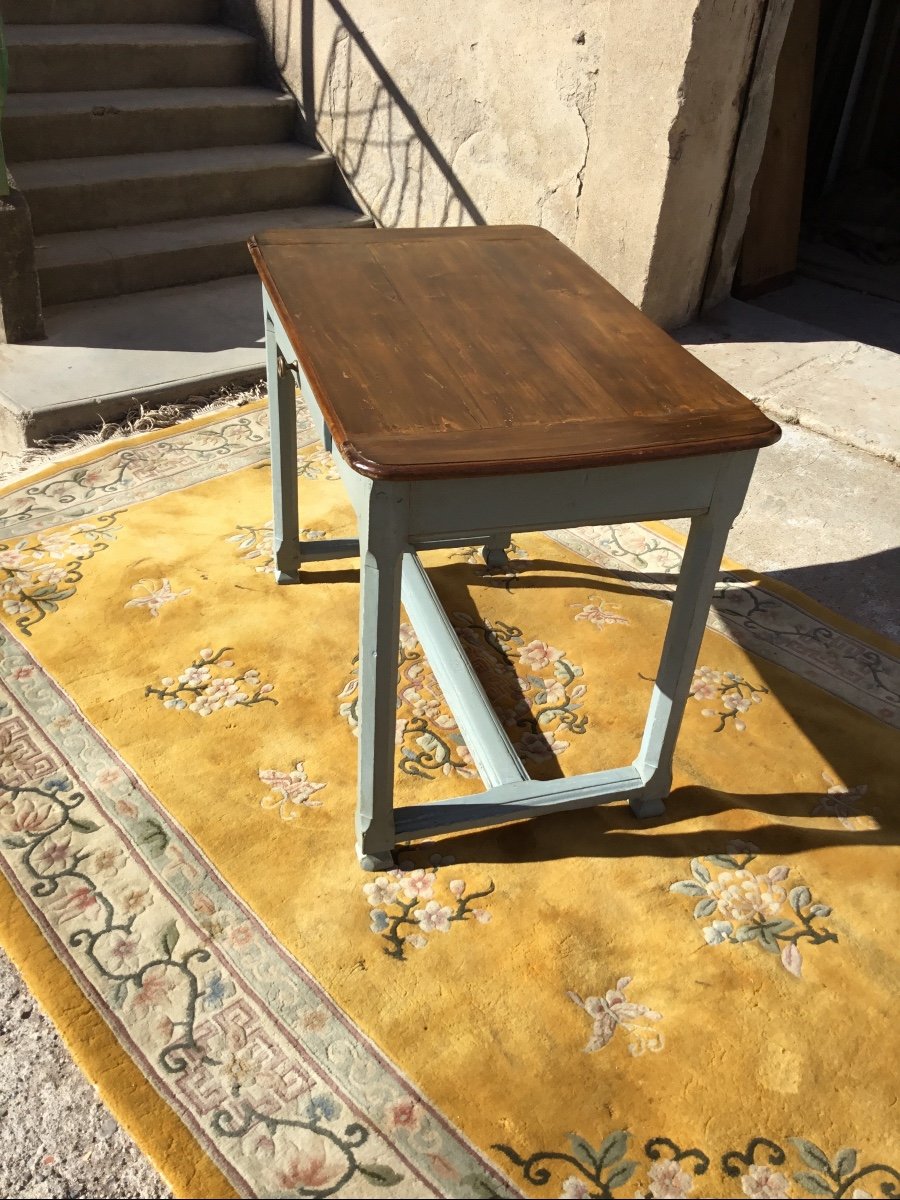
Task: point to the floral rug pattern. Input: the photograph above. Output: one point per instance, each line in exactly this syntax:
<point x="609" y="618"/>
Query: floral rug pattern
<point x="533" y="687"/>
<point x="765" y="1170"/>
<point x="406" y="900"/>
<point x="281" y="1088"/>
<point x="758" y="907"/>
<point x="36" y="577"/>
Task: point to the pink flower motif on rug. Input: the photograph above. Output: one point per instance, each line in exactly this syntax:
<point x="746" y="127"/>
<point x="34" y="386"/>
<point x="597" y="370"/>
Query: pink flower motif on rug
<point x="408" y="904"/>
<point x="763" y="1182"/>
<point x="731" y="696"/>
<point x="203" y="688"/>
<point x="615" y="1011"/>
<point x="255" y="542"/>
<point x="752" y="906"/>
<point x="599" y="614"/>
<point x="36" y="577"/>
<point x="843" y="802"/>
<point x="290" y="792"/>
<point x="154" y="595"/>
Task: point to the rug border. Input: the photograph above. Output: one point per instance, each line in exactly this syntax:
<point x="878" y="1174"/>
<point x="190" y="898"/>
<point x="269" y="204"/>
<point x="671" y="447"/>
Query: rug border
<point x="821" y="612"/>
<point x="165" y="1140"/>
<point x="81" y="457"/>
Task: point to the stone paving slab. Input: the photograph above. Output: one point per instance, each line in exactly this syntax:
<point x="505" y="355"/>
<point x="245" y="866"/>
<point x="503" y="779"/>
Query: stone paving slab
<point x="854" y="315"/>
<point x="804" y="375"/>
<point x="103" y="356"/>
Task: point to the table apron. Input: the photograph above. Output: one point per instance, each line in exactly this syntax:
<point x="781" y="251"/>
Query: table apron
<point x="470" y="509"/>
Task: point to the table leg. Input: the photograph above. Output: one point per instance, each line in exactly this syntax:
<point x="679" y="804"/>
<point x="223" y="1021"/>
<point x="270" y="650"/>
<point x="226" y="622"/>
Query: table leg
<point x="687" y="621"/>
<point x="283" y="436"/>
<point x="494" y="551"/>
<point x="382" y="540"/>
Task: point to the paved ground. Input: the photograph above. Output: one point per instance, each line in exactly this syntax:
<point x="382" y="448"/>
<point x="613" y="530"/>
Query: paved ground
<point x="823" y="518"/>
<point x="805" y="374"/>
<point x="820" y="515"/>
<point x="56" y="1137"/>
<point x="102" y="356"/>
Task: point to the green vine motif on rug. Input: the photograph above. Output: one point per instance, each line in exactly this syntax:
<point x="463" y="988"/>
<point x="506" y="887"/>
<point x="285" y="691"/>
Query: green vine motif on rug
<point x="754" y="907"/>
<point x="45" y="821"/>
<point x="533" y="687"/>
<point x="838" y="1177"/>
<point x="149" y="967"/>
<point x="603" y="1171"/>
<point x="118" y="469"/>
<point x="302" y="1173"/>
<point x="83" y="483"/>
<point x="761" y="613"/>
<point x="405" y="907"/>
<point x="36" y="578"/>
<point x="641" y="546"/>
<point x="203" y="688"/>
<point x="729" y="695"/>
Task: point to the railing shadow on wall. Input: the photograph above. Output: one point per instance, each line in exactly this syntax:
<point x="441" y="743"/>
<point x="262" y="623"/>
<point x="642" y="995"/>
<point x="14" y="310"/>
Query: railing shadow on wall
<point x="388" y="126"/>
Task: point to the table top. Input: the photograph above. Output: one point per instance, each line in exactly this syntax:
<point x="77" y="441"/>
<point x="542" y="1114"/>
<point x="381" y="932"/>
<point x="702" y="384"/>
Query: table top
<point x="488" y="350"/>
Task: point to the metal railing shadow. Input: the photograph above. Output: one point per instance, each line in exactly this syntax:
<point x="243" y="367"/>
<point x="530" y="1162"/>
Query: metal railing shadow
<point x="387" y="126"/>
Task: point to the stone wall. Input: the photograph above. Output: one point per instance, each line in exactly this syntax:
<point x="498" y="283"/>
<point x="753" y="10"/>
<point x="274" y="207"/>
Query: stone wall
<point x="610" y="122"/>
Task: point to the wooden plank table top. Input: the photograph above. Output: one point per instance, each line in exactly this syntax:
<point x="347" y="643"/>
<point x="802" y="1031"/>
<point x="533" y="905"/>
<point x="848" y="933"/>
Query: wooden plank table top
<point x="488" y="350"/>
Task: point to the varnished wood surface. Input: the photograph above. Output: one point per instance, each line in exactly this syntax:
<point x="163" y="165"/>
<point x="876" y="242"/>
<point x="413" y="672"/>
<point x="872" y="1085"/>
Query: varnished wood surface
<point x="444" y="353"/>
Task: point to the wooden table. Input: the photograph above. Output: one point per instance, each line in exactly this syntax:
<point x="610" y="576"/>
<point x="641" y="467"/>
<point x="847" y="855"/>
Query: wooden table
<point x="473" y="383"/>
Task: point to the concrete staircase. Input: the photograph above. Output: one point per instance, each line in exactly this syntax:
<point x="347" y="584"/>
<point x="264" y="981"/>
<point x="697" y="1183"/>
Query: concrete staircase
<point x="146" y="152"/>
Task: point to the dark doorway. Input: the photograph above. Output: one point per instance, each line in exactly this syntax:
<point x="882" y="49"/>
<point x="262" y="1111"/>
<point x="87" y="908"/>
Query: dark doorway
<point x="826" y="203"/>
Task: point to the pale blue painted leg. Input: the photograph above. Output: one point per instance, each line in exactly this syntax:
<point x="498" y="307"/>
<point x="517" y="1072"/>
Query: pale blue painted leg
<point x="283" y="434"/>
<point x="687" y="621"/>
<point x="494" y="551"/>
<point x="382" y="540"/>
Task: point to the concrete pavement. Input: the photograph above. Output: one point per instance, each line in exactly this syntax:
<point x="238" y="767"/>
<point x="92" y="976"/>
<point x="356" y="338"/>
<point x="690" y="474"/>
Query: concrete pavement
<point x="102" y="357"/>
<point x="805" y="374"/>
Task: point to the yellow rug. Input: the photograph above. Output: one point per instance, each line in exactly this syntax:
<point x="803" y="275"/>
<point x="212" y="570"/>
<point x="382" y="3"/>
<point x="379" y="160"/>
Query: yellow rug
<point x="702" y="1005"/>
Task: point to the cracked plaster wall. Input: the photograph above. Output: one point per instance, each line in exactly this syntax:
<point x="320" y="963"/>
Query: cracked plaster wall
<point x="610" y="122"/>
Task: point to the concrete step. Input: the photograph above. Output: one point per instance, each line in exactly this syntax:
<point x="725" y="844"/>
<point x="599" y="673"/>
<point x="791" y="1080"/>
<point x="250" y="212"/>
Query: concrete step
<point x="44" y="125"/>
<point x="108" y="262"/>
<point x="139" y="189"/>
<point x="62" y="58"/>
<point x="70" y="12"/>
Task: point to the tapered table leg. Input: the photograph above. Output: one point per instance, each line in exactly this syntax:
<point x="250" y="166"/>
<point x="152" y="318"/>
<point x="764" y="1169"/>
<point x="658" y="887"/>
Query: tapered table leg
<point x="382" y="537"/>
<point x="283" y="433"/>
<point x="687" y="621"/>
<point x="494" y="551"/>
